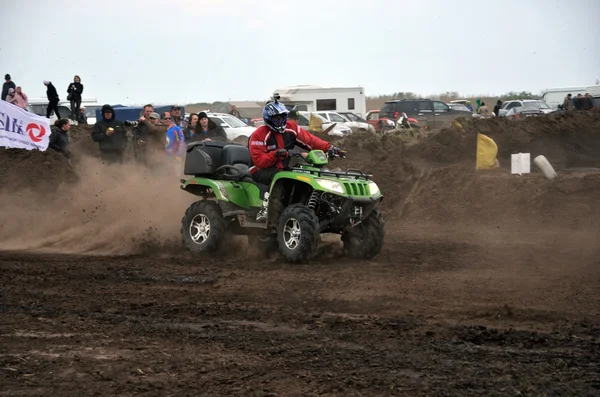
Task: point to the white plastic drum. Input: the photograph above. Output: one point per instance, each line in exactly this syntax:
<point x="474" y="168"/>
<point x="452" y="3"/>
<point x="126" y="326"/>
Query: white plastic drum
<point x="542" y="164"/>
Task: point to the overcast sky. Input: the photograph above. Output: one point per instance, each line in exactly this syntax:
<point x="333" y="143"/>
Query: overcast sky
<point x="162" y="51"/>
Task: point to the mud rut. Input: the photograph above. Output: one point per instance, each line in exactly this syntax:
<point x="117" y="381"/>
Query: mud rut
<point x="435" y="314"/>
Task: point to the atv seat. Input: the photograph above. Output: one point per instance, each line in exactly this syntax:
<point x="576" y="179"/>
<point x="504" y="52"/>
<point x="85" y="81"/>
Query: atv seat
<point x="238" y="156"/>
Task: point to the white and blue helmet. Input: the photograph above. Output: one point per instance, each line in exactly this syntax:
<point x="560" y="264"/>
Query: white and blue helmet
<point x="275" y="116"/>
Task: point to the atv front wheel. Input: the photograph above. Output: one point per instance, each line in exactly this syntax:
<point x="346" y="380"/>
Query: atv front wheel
<point x="203" y="227"/>
<point x="298" y="233"/>
<point x="365" y="240"/>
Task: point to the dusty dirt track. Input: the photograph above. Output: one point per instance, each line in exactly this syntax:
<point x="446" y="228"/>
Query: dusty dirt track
<point x="487" y="285"/>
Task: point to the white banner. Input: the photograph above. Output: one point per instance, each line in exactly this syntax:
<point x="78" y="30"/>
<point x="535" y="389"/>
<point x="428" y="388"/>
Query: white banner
<point x="21" y="129"/>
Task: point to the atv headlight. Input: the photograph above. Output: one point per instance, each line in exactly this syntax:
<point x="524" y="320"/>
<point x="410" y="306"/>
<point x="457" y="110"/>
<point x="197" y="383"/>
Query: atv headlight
<point x="331" y="185"/>
<point x="373" y="188"/>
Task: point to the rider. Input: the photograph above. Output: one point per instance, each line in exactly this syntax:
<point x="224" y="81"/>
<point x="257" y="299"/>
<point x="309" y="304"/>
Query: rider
<point x="270" y="145"/>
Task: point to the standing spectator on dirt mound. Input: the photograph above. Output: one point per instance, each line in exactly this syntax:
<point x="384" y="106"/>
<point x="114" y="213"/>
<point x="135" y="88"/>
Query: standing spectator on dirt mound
<point x="82" y="119"/>
<point x="577" y="103"/>
<point x="110" y="135"/>
<point x="8" y="84"/>
<point x="10" y="98"/>
<point x="175" y="146"/>
<point x="53" y="99"/>
<point x="74" y="91"/>
<point x="208" y="130"/>
<point x="176" y="117"/>
<point x="587" y="103"/>
<point x="21" y="99"/>
<point x="140" y="134"/>
<point x="234" y="112"/>
<point x="59" y="138"/>
<point x="483" y="110"/>
<point x="497" y="107"/>
<point x="568" y="103"/>
<point x="190" y="130"/>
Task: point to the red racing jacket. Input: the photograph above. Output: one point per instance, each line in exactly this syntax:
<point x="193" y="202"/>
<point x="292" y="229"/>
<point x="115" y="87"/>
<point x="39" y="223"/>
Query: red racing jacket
<point x="264" y="142"/>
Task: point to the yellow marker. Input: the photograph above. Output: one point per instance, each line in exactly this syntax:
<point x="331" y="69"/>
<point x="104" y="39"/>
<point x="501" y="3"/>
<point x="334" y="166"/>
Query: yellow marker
<point x="303" y="178"/>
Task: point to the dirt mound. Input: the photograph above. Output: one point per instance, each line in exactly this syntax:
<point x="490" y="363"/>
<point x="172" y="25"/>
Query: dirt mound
<point x="434" y="179"/>
<point x="566" y="140"/>
<point x="42" y="171"/>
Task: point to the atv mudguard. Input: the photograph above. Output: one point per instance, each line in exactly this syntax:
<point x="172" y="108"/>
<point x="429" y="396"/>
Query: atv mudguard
<point x="241" y="194"/>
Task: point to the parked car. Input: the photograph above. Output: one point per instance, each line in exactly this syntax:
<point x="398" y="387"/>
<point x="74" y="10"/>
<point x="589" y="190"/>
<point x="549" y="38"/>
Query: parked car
<point x="90" y="112"/>
<point x="233" y="126"/>
<point x="337" y="130"/>
<point x="335" y="117"/>
<point x="458" y="106"/>
<point x="528" y="103"/>
<point x="522" y="111"/>
<point x="380" y="124"/>
<point x="426" y="111"/>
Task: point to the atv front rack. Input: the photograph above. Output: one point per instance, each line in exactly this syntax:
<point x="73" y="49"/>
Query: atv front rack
<point x="339" y="174"/>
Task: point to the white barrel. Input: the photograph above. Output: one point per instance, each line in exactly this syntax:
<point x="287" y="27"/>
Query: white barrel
<point x="542" y="164"/>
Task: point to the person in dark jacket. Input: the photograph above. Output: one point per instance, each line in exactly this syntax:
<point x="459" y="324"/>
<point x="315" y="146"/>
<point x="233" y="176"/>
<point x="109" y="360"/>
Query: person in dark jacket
<point x="190" y="130"/>
<point x="497" y="107"/>
<point x="8" y="84"/>
<point x="52" y="99"/>
<point x="59" y="138"/>
<point x="208" y="130"/>
<point x="110" y="135"/>
<point x="75" y="89"/>
<point x="587" y="103"/>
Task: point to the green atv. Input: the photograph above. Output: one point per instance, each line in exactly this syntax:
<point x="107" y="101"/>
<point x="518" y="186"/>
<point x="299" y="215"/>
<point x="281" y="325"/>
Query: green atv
<point x="303" y="202"/>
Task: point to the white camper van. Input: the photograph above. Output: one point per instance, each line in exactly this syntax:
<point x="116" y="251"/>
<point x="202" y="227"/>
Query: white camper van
<point x="310" y="98"/>
<point x="556" y="96"/>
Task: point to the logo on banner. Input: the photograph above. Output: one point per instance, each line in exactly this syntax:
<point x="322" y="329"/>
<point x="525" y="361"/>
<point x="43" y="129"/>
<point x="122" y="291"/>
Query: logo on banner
<point x="31" y="128"/>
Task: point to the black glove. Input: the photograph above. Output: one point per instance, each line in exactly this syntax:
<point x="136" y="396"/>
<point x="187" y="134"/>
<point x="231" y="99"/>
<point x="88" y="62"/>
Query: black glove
<point x="281" y="153"/>
<point x="336" y="151"/>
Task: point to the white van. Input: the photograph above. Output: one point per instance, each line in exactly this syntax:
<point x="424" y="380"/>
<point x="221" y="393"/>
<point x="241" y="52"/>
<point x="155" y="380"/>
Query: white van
<point x="556" y="96"/>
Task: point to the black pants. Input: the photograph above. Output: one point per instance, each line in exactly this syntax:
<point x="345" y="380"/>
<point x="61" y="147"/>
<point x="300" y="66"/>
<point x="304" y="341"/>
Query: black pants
<point x="53" y="105"/>
<point x="75" y="108"/>
<point x="265" y="176"/>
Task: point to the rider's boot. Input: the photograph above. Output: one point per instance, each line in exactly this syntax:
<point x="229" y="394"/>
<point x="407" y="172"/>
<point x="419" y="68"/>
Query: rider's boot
<point x="262" y="214"/>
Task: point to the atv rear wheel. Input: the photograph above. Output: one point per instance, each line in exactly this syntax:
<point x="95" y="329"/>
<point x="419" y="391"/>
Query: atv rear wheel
<point x="365" y="240"/>
<point x="298" y="233"/>
<point x="203" y="227"/>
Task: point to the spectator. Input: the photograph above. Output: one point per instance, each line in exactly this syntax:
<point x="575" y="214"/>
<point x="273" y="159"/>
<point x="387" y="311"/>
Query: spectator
<point x="190" y="130"/>
<point x="8" y="83"/>
<point x="110" y="135"/>
<point x="468" y="105"/>
<point x="497" y="107"/>
<point x="52" y="99"/>
<point x="82" y="119"/>
<point x="59" y="138"/>
<point x="568" y="103"/>
<point x="21" y="99"/>
<point x="176" y="117"/>
<point x="140" y="134"/>
<point x="208" y="129"/>
<point x="234" y="112"/>
<point x="483" y="110"/>
<point x="587" y="103"/>
<point x="175" y="146"/>
<point x="75" y="89"/>
<point x="10" y="98"/>
<point x="577" y="103"/>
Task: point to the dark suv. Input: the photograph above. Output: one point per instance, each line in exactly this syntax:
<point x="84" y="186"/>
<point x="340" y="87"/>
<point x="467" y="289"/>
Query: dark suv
<point x="426" y="111"/>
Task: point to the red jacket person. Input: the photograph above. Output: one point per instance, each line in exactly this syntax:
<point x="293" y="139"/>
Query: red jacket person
<point x="270" y="143"/>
